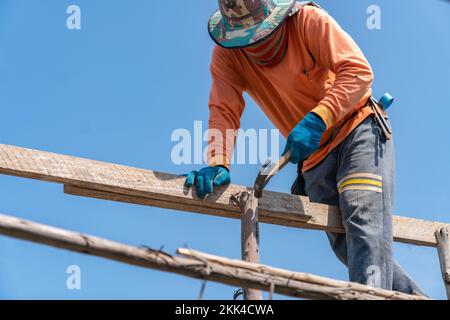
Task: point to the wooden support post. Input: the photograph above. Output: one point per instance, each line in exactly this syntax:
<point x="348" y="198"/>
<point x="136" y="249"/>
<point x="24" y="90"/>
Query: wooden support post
<point x="250" y="236"/>
<point x="443" y="246"/>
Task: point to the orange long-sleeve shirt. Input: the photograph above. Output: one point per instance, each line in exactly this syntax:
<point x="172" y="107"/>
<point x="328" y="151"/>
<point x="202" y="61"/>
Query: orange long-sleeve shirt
<point x="324" y="70"/>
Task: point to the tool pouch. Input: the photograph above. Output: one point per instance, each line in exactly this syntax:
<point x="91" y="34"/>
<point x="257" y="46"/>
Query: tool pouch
<point x="381" y="118"/>
<point x="298" y="188"/>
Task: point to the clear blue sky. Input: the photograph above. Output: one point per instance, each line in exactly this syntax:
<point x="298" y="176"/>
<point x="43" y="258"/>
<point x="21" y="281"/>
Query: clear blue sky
<point x="116" y="89"/>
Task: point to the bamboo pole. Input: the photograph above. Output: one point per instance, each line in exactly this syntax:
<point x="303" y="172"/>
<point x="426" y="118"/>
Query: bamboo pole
<point x="195" y="267"/>
<point x="443" y="247"/>
<point x="337" y="285"/>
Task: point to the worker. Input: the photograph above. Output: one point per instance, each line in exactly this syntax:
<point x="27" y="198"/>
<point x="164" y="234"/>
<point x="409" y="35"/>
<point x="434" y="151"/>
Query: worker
<point x="313" y="82"/>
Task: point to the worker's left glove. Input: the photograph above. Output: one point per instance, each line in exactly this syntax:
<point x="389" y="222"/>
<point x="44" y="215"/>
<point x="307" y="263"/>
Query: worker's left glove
<point x="304" y="140"/>
<point x="206" y="178"/>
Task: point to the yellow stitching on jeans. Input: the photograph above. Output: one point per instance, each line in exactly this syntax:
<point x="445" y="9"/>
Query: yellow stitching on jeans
<point x="361" y="188"/>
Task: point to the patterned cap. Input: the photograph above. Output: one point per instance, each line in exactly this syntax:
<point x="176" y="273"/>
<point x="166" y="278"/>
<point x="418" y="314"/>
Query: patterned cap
<point x="241" y="23"/>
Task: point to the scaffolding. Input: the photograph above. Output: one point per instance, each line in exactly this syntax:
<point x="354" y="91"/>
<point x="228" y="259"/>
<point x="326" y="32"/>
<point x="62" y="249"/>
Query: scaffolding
<point x="107" y="181"/>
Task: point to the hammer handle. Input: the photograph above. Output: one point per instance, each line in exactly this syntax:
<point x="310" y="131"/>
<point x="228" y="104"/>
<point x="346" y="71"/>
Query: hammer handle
<point x="282" y="162"/>
<point x="268" y="172"/>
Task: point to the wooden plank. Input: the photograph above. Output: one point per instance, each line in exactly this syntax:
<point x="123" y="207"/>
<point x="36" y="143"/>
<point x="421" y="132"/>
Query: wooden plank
<point x="319" y="221"/>
<point x="114" y="178"/>
<point x="210" y="211"/>
<point x="442" y="237"/>
<point x="169" y="191"/>
<point x="200" y="268"/>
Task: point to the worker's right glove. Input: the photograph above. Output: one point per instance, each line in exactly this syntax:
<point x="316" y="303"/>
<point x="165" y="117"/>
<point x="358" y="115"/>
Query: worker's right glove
<point x="206" y="178"/>
<point x="304" y="140"/>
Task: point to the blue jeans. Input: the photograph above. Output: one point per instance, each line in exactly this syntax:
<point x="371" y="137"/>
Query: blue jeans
<point x="358" y="176"/>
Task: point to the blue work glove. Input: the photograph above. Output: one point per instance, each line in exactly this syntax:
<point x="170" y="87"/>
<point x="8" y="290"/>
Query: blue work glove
<point x="304" y="140"/>
<point x="206" y="178"/>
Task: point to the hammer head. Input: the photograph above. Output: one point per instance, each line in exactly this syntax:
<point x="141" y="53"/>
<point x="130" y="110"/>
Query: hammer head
<point x="268" y="171"/>
<point x="263" y="178"/>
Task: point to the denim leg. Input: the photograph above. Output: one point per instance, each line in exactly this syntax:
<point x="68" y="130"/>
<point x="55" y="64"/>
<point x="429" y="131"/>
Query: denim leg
<point x="366" y="248"/>
<point x="402" y="282"/>
<point x="365" y="181"/>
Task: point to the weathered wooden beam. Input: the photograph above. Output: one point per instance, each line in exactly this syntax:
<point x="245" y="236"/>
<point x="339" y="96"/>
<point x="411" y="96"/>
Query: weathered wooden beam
<point x="249" y="235"/>
<point x="206" y="210"/>
<point x="132" y="185"/>
<point x="195" y="267"/>
<point x="443" y="240"/>
<point x="160" y="187"/>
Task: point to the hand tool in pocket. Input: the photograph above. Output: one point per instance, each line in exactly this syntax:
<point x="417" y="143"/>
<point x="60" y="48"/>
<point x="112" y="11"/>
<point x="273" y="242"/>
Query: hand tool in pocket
<point x="383" y="104"/>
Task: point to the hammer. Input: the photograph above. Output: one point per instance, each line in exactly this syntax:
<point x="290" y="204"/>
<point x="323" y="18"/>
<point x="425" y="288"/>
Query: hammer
<point x="268" y="171"/>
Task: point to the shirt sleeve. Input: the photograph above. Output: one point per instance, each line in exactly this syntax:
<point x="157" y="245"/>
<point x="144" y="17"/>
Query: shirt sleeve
<point x="334" y="49"/>
<point x="226" y="105"/>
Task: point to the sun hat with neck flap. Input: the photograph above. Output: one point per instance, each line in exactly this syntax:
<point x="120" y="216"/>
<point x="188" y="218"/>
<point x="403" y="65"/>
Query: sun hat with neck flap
<point x="242" y="23"/>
